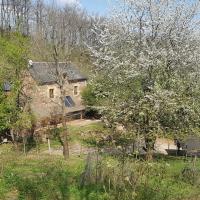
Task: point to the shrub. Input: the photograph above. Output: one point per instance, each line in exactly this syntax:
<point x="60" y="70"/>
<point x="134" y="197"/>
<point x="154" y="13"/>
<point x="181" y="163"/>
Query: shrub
<point x="88" y="96"/>
<point x="133" y="179"/>
<point x="191" y="175"/>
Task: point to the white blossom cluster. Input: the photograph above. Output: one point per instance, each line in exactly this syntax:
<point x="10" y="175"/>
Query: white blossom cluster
<point x="157" y="44"/>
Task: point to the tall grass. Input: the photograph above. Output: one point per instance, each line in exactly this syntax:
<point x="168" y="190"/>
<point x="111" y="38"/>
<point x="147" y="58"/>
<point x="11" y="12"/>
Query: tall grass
<point x="45" y="177"/>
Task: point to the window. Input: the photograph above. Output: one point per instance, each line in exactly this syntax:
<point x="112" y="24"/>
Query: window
<point x="75" y="90"/>
<point x="69" y="102"/>
<point x="51" y="93"/>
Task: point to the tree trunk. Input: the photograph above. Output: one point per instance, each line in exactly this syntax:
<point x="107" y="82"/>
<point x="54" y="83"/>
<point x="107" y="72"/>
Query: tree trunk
<point x="149" y="141"/>
<point x="65" y="146"/>
<point x="24" y="145"/>
<point x="12" y="135"/>
<point x="14" y="141"/>
<point x="64" y="138"/>
<point x="149" y="155"/>
<point x="61" y="81"/>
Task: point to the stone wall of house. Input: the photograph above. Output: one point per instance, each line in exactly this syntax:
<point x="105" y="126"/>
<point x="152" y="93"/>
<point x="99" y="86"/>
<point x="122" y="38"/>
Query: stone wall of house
<point x="42" y="105"/>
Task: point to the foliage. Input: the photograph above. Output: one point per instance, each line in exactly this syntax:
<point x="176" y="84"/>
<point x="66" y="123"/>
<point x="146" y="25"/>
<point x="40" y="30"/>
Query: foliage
<point x="85" y="134"/>
<point x="41" y="176"/>
<point x="14" y="48"/>
<point x="25" y="121"/>
<point x="147" y="57"/>
<point x="191" y="175"/>
<point x="138" y="180"/>
<point x="88" y="96"/>
<point x="52" y="183"/>
<point x="14" y="52"/>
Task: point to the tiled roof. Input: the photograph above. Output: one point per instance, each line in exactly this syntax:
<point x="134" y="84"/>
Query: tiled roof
<point x="45" y="72"/>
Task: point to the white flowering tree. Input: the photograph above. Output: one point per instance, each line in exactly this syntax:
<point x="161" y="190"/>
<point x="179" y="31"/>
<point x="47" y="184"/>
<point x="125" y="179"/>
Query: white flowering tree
<point x="147" y="62"/>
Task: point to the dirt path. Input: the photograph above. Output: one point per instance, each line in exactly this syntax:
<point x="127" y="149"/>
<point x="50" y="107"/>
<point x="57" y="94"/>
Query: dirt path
<point x="82" y="122"/>
<point x="75" y="149"/>
<point x="163" y="144"/>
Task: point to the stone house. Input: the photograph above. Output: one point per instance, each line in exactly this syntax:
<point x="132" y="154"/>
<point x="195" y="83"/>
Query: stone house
<point x="42" y="88"/>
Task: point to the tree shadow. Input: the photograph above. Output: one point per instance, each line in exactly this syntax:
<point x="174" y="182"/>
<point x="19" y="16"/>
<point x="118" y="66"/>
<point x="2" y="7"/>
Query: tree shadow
<point x="174" y="152"/>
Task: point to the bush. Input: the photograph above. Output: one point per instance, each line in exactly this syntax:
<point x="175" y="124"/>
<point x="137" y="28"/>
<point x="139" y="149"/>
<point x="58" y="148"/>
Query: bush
<point x="92" y="112"/>
<point x="134" y="180"/>
<point x="89" y="96"/>
<point x="191" y="175"/>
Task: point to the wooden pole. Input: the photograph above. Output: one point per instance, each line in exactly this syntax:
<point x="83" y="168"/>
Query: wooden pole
<point x="49" y="145"/>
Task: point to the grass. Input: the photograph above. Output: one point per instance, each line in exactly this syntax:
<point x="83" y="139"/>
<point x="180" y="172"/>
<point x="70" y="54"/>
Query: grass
<point x="77" y="134"/>
<point x="24" y="176"/>
<point x="39" y="176"/>
<point x="17" y="168"/>
<point x="81" y="134"/>
<point x="77" y="130"/>
<point x="38" y="172"/>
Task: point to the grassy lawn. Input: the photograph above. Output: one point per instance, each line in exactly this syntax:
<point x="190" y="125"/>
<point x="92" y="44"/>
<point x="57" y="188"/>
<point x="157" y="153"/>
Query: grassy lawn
<point x="86" y="135"/>
<point x="50" y="177"/>
<point x="19" y="172"/>
<point x="39" y="176"/>
<point x="43" y="174"/>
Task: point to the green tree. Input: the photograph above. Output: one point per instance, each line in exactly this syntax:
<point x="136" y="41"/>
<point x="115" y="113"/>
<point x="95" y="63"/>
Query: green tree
<point x="13" y="109"/>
